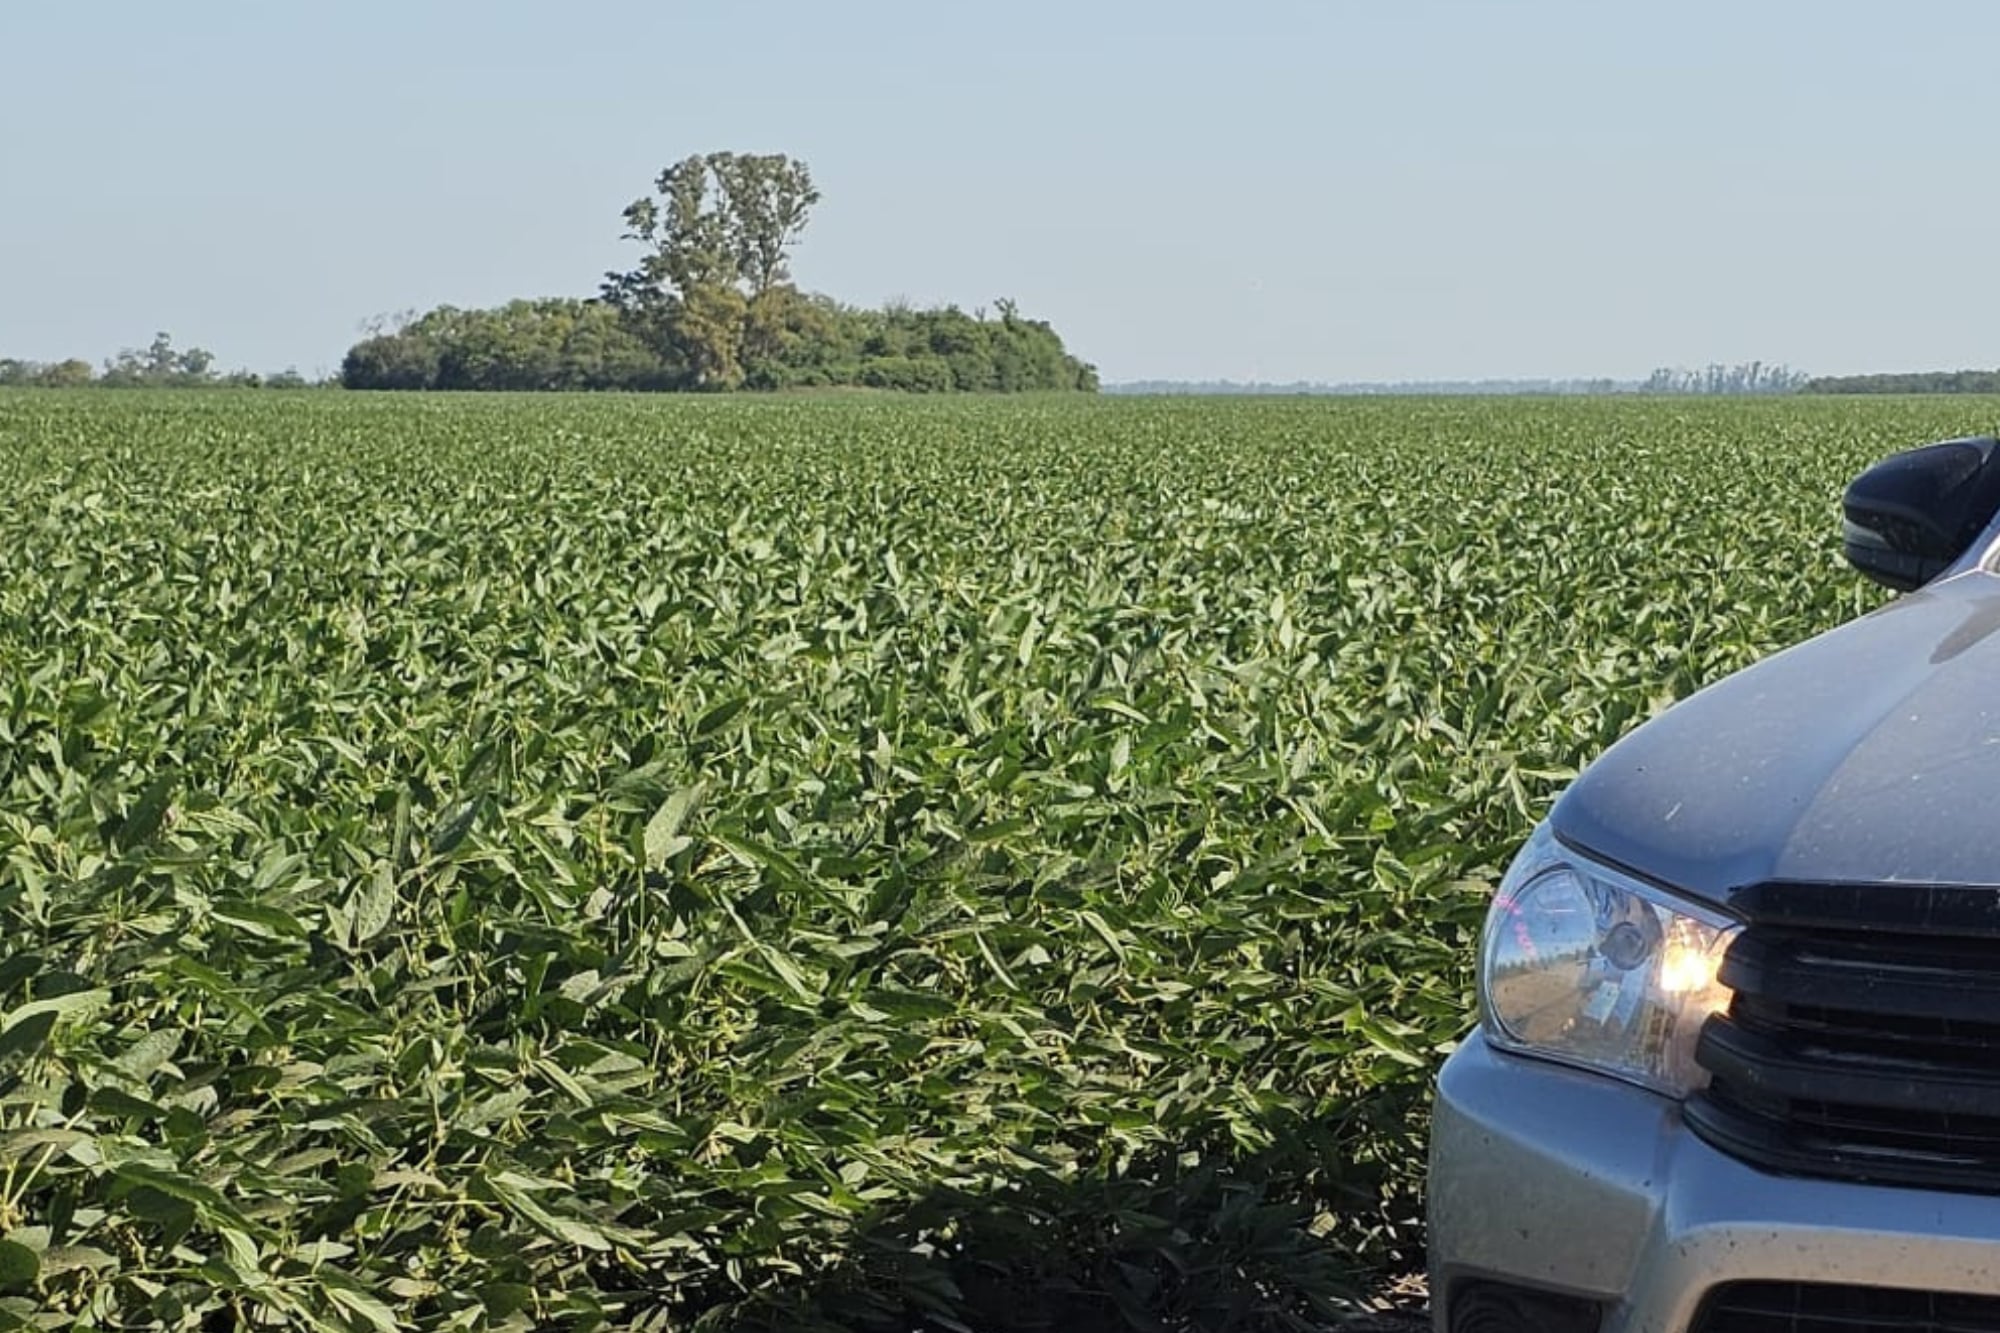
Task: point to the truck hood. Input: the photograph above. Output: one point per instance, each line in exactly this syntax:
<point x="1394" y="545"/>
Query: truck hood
<point x="1870" y="754"/>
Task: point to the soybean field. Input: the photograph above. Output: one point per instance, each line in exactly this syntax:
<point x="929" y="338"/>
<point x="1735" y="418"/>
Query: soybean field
<point x="862" y="863"/>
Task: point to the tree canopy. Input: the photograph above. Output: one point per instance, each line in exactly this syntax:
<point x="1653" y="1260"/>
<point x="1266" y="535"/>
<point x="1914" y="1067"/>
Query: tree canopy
<point x="784" y="339"/>
<point x="561" y="343"/>
<point x="710" y="307"/>
<point x="1922" y="381"/>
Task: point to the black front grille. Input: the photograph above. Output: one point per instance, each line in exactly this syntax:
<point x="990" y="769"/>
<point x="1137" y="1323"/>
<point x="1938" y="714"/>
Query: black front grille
<point x="1797" y="1307"/>
<point x="1863" y="1041"/>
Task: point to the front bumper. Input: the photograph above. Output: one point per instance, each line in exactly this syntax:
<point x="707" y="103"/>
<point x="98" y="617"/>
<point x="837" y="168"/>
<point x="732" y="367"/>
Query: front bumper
<point x="1567" y="1182"/>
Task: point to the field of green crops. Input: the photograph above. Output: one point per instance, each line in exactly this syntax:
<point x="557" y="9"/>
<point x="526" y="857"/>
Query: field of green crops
<point x="874" y="864"/>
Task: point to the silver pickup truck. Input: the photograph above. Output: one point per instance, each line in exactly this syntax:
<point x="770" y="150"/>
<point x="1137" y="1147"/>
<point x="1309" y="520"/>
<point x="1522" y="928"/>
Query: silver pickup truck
<point x="1738" y="1061"/>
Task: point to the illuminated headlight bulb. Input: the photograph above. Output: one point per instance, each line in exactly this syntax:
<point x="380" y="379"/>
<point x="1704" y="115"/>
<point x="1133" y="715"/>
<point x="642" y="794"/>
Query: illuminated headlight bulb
<point x="1587" y="966"/>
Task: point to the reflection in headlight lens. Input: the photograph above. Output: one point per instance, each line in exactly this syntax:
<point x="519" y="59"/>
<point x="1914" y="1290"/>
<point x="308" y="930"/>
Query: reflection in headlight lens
<point x="1584" y="966"/>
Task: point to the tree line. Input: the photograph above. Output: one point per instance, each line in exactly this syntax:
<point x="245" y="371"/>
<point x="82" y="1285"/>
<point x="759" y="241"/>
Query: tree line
<point x="1926" y="381"/>
<point x="1716" y="379"/>
<point x="159" y="365"/>
<point x="786" y="339"/>
<point x="1750" y="377"/>
<point x="710" y="307"/>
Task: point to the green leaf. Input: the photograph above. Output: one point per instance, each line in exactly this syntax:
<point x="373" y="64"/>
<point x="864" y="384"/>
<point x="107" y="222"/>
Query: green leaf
<point x="260" y="919"/>
<point x="18" y="968"/>
<point x="375" y="903"/>
<point x="117" y="1102"/>
<point x="20" y="1266"/>
<point x="502" y="1299"/>
<point x="147" y="813"/>
<point x="1104" y="932"/>
<point x="356" y="1300"/>
<point x="148" y="1053"/>
<point x="1000" y="971"/>
<point x="206" y="1200"/>
<point x="662" y="830"/>
<point x="27" y="1027"/>
<point x="908" y="1005"/>
<point x="720" y="716"/>
<point x="509" y="1190"/>
<point x="74" y="1258"/>
<point x="453" y="828"/>
<point x="400" y="845"/>
<point x="25" y="1035"/>
<point x="20" y="1143"/>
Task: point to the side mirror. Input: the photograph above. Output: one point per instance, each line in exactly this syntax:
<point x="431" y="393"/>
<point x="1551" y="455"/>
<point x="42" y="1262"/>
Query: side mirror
<point x="1908" y="518"/>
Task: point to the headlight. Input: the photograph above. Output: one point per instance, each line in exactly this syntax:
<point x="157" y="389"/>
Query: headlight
<point x="1586" y="966"/>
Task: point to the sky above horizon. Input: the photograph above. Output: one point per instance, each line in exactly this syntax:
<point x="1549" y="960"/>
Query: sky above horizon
<point x="1269" y="190"/>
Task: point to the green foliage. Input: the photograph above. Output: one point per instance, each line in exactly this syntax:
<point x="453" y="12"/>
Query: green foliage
<point x="711" y="295"/>
<point x="1929" y="381"/>
<point x="717" y="220"/>
<point x="70" y="374"/>
<point x="716" y="340"/>
<point x="396" y="360"/>
<point x="709" y="308"/>
<point x="859" y="863"/>
<point x="159" y="366"/>
<point x="717" y="230"/>
<point x="524" y="345"/>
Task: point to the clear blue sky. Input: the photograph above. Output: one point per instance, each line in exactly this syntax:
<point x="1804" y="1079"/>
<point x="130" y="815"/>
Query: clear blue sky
<point x="1272" y="189"/>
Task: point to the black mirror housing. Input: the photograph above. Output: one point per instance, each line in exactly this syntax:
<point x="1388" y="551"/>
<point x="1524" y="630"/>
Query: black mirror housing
<point x="1908" y="518"/>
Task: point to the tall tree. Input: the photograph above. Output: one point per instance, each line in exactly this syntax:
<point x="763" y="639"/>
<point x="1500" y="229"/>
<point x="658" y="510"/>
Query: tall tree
<point x="718" y="231"/>
<point x="716" y="219"/>
<point x="160" y="364"/>
<point x="765" y="200"/>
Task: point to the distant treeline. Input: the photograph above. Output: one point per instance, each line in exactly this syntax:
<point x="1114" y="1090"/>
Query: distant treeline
<point x="784" y="339"/>
<point x="1383" y="388"/>
<point x="1716" y="380"/>
<point x="158" y="366"/>
<point x="1923" y="381"/>
<point x="1751" y="377"/>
